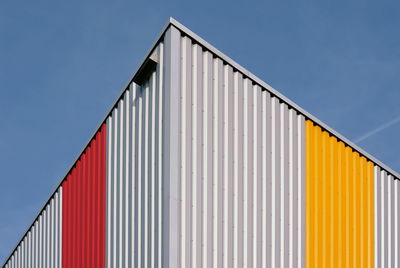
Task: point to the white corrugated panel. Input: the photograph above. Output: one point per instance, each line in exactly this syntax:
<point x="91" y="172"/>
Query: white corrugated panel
<point x="242" y="171"/>
<point x="134" y="182"/>
<point x="41" y="245"/>
<point x="387" y="219"/>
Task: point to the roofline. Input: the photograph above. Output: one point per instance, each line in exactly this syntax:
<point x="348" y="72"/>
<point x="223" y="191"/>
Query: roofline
<point x="173" y="22"/>
<point x="285" y="99"/>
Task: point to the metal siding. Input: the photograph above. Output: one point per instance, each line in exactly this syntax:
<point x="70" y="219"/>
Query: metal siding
<point x="242" y="169"/>
<point x="133" y="176"/>
<point x="386" y="214"/>
<point x="84" y="197"/>
<point x="170" y="81"/>
<point x="337" y="175"/>
<point x="43" y="244"/>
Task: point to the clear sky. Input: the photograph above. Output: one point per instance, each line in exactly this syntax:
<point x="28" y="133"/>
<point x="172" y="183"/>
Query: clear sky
<point x="63" y="63"/>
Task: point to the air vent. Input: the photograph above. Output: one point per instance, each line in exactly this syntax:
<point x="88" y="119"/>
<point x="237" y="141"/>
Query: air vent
<point x="146" y="69"/>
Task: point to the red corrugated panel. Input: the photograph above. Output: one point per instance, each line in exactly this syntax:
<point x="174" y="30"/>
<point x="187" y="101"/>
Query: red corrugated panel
<point x="84" y="193"/>
<point x="102" y="200"/>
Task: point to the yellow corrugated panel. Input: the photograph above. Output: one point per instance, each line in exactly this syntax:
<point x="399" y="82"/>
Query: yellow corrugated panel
<point x="339" y="200"/>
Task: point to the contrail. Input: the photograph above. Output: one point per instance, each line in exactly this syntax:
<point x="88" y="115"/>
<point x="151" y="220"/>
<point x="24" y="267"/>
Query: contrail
<point x="378" y="129"/>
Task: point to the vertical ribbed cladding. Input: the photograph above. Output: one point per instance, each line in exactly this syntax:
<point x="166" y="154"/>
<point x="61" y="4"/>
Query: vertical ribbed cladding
<point x="42" y="244"/>
<point x="340" y="203"/>
<point x="84" y="207"/>
<point x="134" y="184"/>
<point x="387" y="235"/>
<point x="242" y="169"/>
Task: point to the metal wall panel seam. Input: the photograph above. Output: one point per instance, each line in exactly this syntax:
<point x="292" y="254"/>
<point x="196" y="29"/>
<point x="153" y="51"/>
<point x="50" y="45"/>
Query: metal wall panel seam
<point x="40" y="234"/>
<point x="392" y="221"/>
<point x="258" y="175"/>
<point x="220" y="161"/>
<point x="273" y="180"/>
<point x="228" y="172"/>
<point x="170" y="148"/>
<point x="146" y="173"/>
<point x="205" y="167"/>
<point x="44" y="238"/>
<point x="397" y="236"/>
<point x="124" y="188"/>
<point x="28" y="262"/>
<point x="210" y="162"/>
<point x="250" y="174"/>
<point x="160" y="121"/>
<point x="152" y="237"/>
<point x="187" y="87"/>
<point x="301" y="192"/>
<point x="131" y="175"/>
<point x="118" y="183"/>
<point x="268" y="177"/>
<point x="52" y="236"/>
<point x="36" y="247"/>
<point x="197" y="156"/>
<point x="215" y="164"/>
<point x="108" y="192"/>
<point x="83" y="204"/>
<point x="384" y="220"/>
<point x="193" y="174"/>
<point x="200" y="159"/>
<point x="245" y="173"/>
<point x="290" y="252"/>
<point x="285" y="188"/>
<point x="139" y="179"/>
<point x="235" y="172"/>
<point x="377" y="205"/>
<point x="241" y="163"/>
<point x="264" y="216"/>
<point x="111" y="183"/>
<point x="143" y="177"/>
<point x="60" y="227"/>
<point x="278" y="181"/>
<point x="205" y="231"/>
<point x="128" y="178"/>
<point x="93" y="193"/>
<point x="182" y="153"/>
<point x="151" y="173"/>
<point x="90" y="191"/>
<point x="137" y="173"/>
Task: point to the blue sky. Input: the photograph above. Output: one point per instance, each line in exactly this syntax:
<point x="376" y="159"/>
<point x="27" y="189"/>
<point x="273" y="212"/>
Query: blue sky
<point x="63" y="63"/>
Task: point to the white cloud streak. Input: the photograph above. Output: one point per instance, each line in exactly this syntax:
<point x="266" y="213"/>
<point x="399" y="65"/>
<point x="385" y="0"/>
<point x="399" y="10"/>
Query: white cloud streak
<point x="377" y="130"/>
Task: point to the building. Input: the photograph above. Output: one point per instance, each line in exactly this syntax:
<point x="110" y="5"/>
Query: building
<point x="200" y="163"/>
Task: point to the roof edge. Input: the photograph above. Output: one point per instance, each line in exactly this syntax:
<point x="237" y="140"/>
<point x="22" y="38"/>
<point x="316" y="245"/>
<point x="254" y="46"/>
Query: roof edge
<point x="285" y="99"/>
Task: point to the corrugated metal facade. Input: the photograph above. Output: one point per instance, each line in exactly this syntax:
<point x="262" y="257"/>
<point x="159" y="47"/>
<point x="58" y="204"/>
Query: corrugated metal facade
<point x="340" y="203"/>
<point x="242" y="169"/>
<point x="201" y="164"/>
<point x="84" y="207"/>
<point x="387" y="235"/>
<point x="134" y="183"/>
<point x="42" y="244"/>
